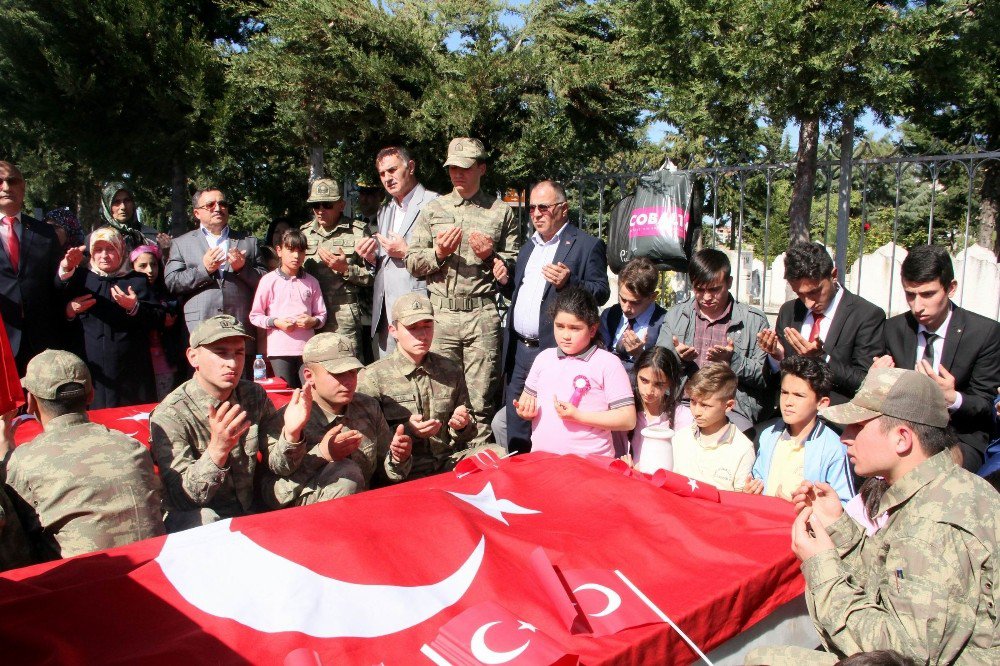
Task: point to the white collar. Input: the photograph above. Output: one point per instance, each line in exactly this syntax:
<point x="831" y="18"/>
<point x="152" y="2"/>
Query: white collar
<point x="941" y="330"/>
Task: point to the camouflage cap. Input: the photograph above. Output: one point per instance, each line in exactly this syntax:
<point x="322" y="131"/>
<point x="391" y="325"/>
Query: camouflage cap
<point x="902" y="394"/>
<point x="52" y="369"/>
<point x="334" y="352"/>
<point x="464" y="152"/>
<point x="216" y="328"/>
<point x="411" y="308"/>
<point x="323" y="190"/>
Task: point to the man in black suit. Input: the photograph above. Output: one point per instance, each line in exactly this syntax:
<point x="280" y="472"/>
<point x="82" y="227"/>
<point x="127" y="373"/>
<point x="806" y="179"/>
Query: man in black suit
<point x="29" y="261"/>
<point x="958" y="349"/>
<point x="632" y="325"/>
<point x="825" y="321"/>
<point x="557" y="255"/>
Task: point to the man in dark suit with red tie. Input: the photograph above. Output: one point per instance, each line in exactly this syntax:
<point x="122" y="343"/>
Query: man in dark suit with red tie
<point x="557" y="255"/>
<point x="825" y="321"/>
<point x="958" y="349"/>
<point x="29" y="260"/>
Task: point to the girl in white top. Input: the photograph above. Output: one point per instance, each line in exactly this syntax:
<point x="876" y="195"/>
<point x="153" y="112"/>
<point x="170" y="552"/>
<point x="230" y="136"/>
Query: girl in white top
<point x="658" y="393"/>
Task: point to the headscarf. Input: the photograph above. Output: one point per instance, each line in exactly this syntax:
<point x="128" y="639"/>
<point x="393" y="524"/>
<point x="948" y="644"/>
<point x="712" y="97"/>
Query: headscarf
<point x="64" y="217"/>
<point x="145" y="249"/>
<point x="109" y="235"/>
<point x="131" y="229"/>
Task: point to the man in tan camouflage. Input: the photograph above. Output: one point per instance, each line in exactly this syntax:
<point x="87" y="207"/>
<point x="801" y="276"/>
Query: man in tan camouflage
<point x="461" y="242"/>
<point x="78" y="487"/>
<point x="423" y="391"/>
<point x="345" y="437"/>
<point x="925" y="584"/>
<point x="206" y="434"/>
<point x="332" y="258"/>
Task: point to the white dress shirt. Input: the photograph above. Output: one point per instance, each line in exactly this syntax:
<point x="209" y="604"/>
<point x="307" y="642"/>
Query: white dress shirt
<point x="528" y="308"/>
<point x="640" y="328"/>
<point x="220" y="241"/>
<point x="399" y="210"/>
<point x="824" y="325"/>
<point x="938" y="343"/>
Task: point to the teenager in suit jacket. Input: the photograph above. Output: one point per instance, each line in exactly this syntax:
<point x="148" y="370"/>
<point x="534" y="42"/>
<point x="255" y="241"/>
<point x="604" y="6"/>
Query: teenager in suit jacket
<point x="963" y="356"/>
<point x="825" y="321"/>
<point x="214" y="269"/>
<point x="28" y="302"/>
<point x="558" y="254"/>
<point x="637" y="292"/>
<point x="397" y="171"/>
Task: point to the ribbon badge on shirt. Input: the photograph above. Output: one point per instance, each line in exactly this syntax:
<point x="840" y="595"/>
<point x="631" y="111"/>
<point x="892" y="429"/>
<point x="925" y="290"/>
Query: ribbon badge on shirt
<point x="580" y="387"/>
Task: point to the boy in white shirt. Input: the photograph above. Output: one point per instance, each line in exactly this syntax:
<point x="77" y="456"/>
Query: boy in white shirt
<point x="712" y="449"/>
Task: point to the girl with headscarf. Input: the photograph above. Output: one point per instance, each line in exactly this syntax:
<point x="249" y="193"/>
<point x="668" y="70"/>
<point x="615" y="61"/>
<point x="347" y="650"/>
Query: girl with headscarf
<point x="111" y="309"/>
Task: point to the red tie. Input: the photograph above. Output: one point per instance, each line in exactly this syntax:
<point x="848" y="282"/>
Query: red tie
<point x="10" y="240"/>
<point x="814" y="331"/>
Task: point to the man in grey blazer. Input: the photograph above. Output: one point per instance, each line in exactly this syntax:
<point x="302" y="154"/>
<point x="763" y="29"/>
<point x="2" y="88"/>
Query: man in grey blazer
<point x="397" y="171"/>
<point x="213" y="269"/>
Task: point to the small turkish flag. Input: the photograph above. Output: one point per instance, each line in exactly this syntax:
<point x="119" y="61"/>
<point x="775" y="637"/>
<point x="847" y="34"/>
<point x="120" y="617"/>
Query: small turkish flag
<point x="606" y="601"/>
<point x="684" y="486"/>
<point x="490" y="634"/>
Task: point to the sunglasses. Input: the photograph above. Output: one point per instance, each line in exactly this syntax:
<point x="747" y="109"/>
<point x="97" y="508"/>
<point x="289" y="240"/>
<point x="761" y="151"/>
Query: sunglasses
<point x="544" y="208"/>
<point x="211" y="205"/>
<point x="325" y="205"/>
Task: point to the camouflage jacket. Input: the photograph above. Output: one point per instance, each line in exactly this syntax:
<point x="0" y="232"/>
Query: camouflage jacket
<point x="343" y="236"/>
<point x="362" y="414"/>
<point x="462" y="274"/>
<point x="80" y="487"/>
<point x="179" y="434"/>
<point x="926" y="583"/>
<point x="392" y="381"/>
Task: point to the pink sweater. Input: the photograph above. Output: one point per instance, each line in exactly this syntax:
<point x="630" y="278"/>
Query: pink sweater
<point x="279" y="296"/>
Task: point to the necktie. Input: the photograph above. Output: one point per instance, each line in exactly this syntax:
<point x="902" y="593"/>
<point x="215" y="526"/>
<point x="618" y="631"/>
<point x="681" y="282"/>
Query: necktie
<point x="814" y="331"/>
<point x="629" y="326"/>
<point x="929" y="339"/>
<point x="11" y="241"/>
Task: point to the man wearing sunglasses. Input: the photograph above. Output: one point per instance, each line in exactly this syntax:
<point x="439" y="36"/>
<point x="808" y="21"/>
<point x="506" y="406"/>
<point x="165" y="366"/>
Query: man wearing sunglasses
<point x="332" y="259"/>
<point x="557" y="255"/>
<point x="213" y="269"/>
<point x="462" y="243"/>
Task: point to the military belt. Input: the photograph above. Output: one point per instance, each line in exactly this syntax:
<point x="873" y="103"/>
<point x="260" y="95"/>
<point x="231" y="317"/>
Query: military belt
<point x="461" y="304"/>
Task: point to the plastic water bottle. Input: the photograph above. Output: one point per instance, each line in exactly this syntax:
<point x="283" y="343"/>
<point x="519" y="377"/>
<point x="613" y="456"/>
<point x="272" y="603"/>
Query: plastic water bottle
<point x="259" y="368"/>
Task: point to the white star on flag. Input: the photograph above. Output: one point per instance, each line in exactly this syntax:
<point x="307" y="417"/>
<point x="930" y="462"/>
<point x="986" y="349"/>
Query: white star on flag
<point x="693" y="484"/>
<point x="141" y="416"/>
<point x="525" y="625"/>
<point x="486" y="501"/>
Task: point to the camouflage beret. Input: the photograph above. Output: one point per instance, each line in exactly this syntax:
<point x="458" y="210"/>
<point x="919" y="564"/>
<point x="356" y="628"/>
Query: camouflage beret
<point x="411" y="308"/>
<point x="53" y="369"/>
<point x="217" y="328"/>
<point x="902" y="394"/>
<point x="464" y="152"/>
<point x="334" y="352"/>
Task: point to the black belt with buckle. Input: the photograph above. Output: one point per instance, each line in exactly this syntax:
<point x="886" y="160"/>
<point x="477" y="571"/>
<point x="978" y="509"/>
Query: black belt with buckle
<point x="527" y="342"/>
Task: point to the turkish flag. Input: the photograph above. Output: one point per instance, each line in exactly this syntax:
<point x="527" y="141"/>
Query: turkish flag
<point x="490" y="634"/>
<point x="329" y="580"/>
<point x="684" y="486"/>
<point x="606" y="602"/>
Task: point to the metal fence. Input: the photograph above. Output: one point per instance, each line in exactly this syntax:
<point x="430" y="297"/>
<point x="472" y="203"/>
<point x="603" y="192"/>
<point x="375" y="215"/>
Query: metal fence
<point x="891" y="196"/>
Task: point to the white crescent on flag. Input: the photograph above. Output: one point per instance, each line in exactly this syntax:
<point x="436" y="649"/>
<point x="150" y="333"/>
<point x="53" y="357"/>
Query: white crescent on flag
<point x="225" y="574"/>
<point x="614" y="599"/>
<point x="484" y="654"/>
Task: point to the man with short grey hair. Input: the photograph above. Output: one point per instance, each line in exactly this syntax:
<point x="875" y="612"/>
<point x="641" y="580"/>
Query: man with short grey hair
<point x="925" y="583"/>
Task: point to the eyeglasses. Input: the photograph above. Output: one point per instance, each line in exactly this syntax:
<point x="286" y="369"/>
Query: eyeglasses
<point x="325" y="205"/>
<point x="544" y="208"/>
<point x="211" y="205"/>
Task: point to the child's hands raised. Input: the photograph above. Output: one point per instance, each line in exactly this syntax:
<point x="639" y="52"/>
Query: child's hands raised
<point x="526" y="406"/>
<point x="565" y="410"/>
<point x="753" y="486"/>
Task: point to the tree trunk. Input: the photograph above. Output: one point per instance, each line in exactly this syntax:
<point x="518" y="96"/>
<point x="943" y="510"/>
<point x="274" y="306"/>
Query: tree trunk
<point x="697" y="213"/>
<point x="800" y="209"/>
<point x="989" y="208"/>
<point x="315" y="162"/>
<point x="844" y="195"/>
<point x="179" y="201"/>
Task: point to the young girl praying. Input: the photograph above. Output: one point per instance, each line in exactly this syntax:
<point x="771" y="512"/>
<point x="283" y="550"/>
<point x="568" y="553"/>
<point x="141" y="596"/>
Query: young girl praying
<point x="576" y="394"/>
<point x="166" y="346"/>
<point x="658" y="387"/>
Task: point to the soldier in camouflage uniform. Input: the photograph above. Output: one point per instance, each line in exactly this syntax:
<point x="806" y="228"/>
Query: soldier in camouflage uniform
<point x="423" y="391"/>
<point x="332" y="258"/>
<point x="461" y="242"/>
<point x="78" y="487"/>
<point x="926" y="583"/>
<point x="345" y="437"/>
<point x="206" y="434"/>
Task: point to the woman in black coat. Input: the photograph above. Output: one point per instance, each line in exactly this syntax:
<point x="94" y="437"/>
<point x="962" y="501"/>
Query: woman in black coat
<point x="111" y="309"/>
